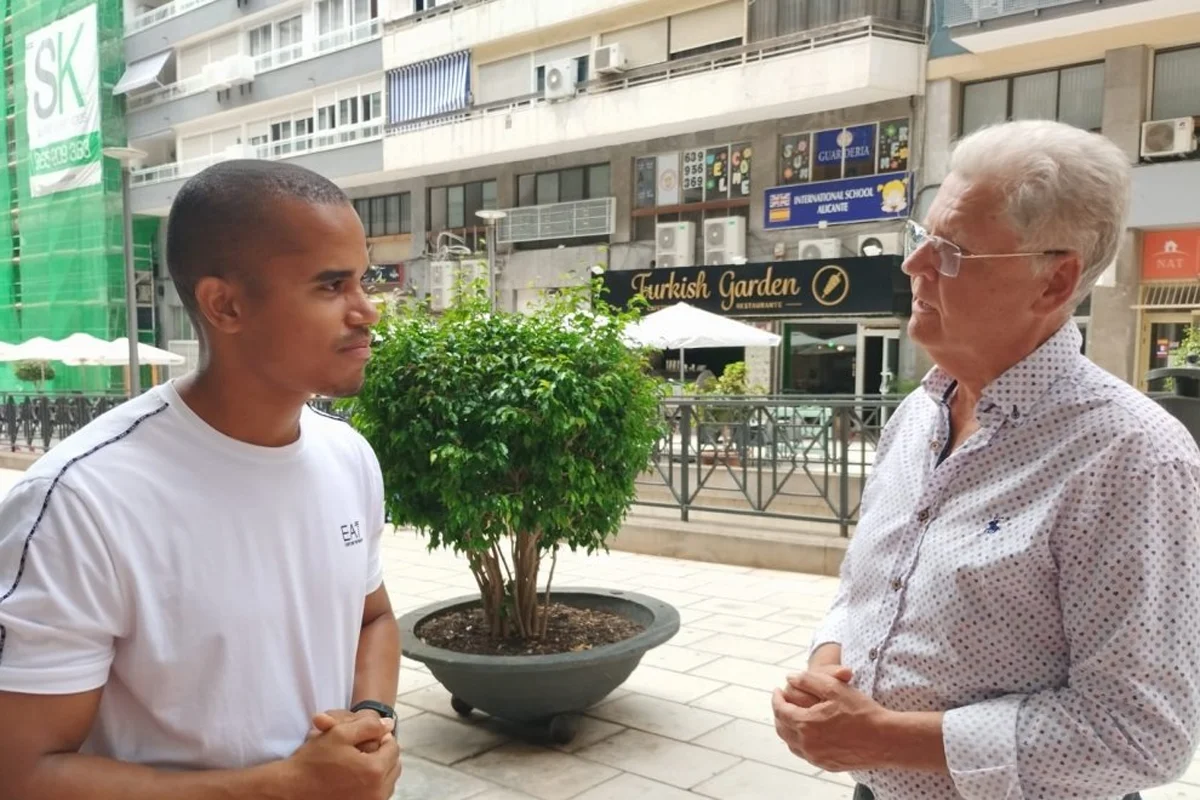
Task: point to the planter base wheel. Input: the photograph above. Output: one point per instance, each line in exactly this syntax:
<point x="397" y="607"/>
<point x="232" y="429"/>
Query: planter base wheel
<point x="563" y="728"/>
<point x="460" y="707"/>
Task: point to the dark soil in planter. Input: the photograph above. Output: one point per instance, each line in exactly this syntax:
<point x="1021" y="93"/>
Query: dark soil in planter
<point x="570" y="630"/>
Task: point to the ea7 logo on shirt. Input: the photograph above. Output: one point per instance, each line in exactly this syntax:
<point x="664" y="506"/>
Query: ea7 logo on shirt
<point x="352" y="534"/>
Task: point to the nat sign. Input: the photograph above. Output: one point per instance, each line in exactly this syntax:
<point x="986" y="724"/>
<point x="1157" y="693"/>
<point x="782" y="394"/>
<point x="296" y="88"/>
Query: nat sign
<point x="62" y="93"/>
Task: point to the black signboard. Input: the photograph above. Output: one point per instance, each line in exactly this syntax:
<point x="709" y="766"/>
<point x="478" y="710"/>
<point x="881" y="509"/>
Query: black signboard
<point x="825" y="287"/>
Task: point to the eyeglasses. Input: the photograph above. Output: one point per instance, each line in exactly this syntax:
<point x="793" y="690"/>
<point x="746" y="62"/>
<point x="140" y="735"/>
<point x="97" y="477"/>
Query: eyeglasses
<point x="949" y="255"/>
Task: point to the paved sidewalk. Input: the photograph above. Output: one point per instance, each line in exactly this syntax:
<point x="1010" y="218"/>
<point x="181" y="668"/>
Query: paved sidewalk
<point x="692" y="722"/>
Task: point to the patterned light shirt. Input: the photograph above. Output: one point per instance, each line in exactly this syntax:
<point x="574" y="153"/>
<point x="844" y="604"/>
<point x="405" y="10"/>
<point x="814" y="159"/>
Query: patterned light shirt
<point x="1040" y="584"/>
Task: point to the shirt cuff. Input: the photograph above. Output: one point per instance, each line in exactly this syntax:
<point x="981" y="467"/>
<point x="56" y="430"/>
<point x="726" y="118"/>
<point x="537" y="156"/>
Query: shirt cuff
<point x="830" y="631"/>
<point x="981" y="748"/>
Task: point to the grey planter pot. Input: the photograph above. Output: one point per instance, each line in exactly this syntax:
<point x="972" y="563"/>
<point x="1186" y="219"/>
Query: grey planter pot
<point x="543" y="691"/>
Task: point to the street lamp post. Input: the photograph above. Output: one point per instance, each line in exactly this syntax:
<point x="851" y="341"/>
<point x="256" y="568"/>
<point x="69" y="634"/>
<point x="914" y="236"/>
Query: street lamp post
<point x="128" y="156"/>
<point x="492" y="217"/>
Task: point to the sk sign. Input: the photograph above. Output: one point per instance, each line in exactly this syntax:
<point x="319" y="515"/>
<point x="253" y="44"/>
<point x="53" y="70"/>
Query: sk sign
<point x="62" y="86"/>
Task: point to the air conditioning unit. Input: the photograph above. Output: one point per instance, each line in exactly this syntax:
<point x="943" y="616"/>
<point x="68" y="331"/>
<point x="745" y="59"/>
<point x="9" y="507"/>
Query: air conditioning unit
<point x="560" y="80"/>
<point x="239" y="70"/>
<point x="446" y="278"/>
<point x="236" y="152"/>
<point x="215" y="75"/>
<point x="811" y="249"/>
<point x="441" y="284"/>
<point x="675" y="244"/>
<point x="1168" y="137"/>
<point x="880" y="244"/>
<point x="610" y="60"/>
<point x="724" y="240"/>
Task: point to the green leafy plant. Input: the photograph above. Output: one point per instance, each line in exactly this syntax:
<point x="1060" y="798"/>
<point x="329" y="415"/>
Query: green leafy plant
<point x="507" y="436"/>
<point x="1189" y="346"/>
<point x="36" y="372"/>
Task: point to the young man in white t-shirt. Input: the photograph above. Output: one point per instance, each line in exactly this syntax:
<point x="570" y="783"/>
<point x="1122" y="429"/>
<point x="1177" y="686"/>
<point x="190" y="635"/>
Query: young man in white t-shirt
<point x="191" y="594"/>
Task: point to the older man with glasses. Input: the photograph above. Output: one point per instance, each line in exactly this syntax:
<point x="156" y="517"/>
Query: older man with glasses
<point x="1019" y="612"/>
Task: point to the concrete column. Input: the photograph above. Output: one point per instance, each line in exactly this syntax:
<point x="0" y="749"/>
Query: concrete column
<point x="1113" y="331"/>
<point x="938" y="131"/>
<point x="620" y="177"/>
<point x="418" y="198"/>
<point x="943" y="109"/>
<point x="763" y="175"/>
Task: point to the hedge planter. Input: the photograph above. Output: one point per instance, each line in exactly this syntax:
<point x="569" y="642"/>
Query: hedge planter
<point x="547" y="691"/>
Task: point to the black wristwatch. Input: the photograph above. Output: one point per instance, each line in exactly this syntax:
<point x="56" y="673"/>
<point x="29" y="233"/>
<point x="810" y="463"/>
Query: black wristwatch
<point x="384" y="711"/>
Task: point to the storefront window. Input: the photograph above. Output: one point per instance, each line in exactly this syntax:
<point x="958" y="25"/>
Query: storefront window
<point x="819" y="359"/>
<point x="844" y="152"/>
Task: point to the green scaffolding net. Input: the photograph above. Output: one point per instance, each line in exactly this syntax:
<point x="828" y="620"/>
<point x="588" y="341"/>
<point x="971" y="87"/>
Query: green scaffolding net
<point x="65" y="273"/>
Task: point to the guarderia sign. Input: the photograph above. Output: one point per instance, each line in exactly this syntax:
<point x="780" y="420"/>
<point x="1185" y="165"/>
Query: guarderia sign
<point x="62" y="87"/>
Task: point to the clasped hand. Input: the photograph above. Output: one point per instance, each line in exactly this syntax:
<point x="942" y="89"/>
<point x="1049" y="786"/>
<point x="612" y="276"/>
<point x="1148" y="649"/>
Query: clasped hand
<point x="347" y="756"/>
<point x="827" y="722"/>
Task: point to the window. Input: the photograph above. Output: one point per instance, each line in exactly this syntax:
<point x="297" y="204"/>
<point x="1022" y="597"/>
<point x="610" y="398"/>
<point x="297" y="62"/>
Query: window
<point x="290" y="35"/>
<point x="582" y="67"/>
<point x="331" y="16"/>
<point x="389" y="215"/>
<point x="1074" y="95"/>
<point x="707" y="48"/>
<point x="372" y="106"/>
<point x="1176" y="84"/>
<point x="452" y="207"/>
<point x="564" y="185"/>
<point x="261" y="40"/>
<point x="837" y="153"/>
<point x="283" y="36"/>
<point x="694" y="177"/>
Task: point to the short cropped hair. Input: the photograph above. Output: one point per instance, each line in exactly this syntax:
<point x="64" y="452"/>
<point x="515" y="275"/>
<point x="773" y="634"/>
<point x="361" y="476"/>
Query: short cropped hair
<point x="222" y="220"/>
<point x="1065" y="188"/>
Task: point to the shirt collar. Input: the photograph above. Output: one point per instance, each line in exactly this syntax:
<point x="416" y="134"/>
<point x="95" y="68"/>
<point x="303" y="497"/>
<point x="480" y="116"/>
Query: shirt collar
<point x="1013" y="395"/>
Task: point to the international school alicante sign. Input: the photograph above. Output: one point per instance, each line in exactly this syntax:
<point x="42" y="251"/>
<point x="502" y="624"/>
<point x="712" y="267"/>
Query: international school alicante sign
<point x="62" y="100"/>
<point x="827" y="287"/>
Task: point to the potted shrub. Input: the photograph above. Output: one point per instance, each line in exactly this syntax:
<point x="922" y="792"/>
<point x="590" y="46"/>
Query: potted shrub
<point x="721" y="425"/>
<point x="35" y="372"/>
<point x="506" y="437"/>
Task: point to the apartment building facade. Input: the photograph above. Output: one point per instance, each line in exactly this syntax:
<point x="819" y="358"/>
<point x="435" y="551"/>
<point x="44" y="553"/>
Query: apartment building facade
<point x="648" y="140"/>
<point x="210" y="80"/>
<point x="663" y="142"/>
<point x="1129" y="69"/>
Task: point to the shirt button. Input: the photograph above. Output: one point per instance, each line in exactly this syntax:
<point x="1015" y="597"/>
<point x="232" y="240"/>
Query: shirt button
<point x="923" y="515"/>
<point x="874" y="654"/>
<point x="935" y="446"/>
<point x="897" y="584"/>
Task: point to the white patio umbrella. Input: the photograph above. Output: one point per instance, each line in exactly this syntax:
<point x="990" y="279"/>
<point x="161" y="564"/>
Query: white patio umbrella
<point x="116" y="354"/>
<point x="38" y="348"/>
<point x="685" y="327"/>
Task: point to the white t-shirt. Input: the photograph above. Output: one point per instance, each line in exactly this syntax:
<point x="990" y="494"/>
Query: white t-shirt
<point x="214" y="588"/>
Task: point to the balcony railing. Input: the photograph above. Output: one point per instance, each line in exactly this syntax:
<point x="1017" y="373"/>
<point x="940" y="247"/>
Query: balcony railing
<point x="758" y="52"/>
<point x="974" y="12"/>
<point x="571" y="220"/>
<point x="188" y="86"/>
<point x="441" y="9"/>
<point x="291" y="54"/>
<point x="269" y="151"/>
<point x="162" y="14"/>
<point x="311" y="48"/>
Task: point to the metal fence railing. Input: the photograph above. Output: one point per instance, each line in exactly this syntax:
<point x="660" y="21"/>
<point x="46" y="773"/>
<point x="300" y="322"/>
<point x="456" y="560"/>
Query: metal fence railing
<point x="974" y="12"/>
<point x="795" y="457"/>
<point x="37" y="422"/>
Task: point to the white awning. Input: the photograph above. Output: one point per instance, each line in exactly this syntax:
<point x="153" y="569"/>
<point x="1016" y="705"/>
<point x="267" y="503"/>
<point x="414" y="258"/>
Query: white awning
<point x="141" y="74"/>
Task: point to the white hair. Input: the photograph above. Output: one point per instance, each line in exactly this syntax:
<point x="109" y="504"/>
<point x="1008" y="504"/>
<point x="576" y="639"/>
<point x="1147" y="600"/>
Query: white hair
<point x="1065" y="188"/>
